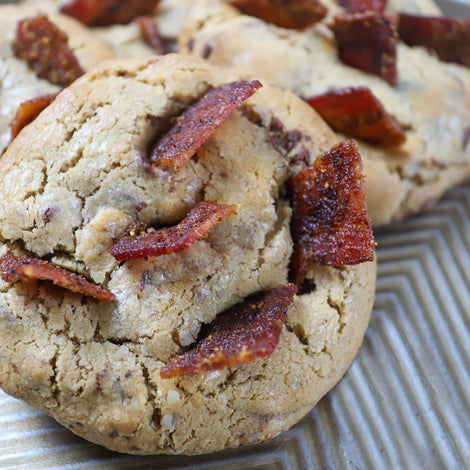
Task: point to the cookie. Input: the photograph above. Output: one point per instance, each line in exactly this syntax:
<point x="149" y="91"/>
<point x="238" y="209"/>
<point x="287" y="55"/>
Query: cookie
<point x="76" y="178"/>
<point x="431" y="101"/>
<point x="126" y="39"/>
<point x="18" y="81"/>
<point x="415" y="7"/>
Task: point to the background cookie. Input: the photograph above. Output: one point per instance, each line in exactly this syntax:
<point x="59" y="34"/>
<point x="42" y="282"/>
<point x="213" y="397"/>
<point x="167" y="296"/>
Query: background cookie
<point x="95" y="366"/>
<point x="417" y="7"/>
<point x="18" y="82"/>
<point x="434" y="113"/>
<point x="126" y="40"/>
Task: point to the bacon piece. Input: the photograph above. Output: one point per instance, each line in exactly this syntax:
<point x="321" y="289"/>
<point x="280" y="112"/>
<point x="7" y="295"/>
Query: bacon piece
<point x="199" y="122"/>
<point x="358" y="113"/>
<point x="360" y="6"/>
<point x="448" y="37"/>
<point x="85" y="11"/>
<point x="137" y="228"/>
<point x="28" y="111"/>
<point x="17" y="268"/>
<point x="368" y="41"/>
<point x="108" y="12"/>
<point x="45" y="48"/>
<point x="195" y="226"/>
<point x="293" y="15"/>
<point x="149" y="33"/>
<point x="248" y="331"/>
<point x="330" y="224"/>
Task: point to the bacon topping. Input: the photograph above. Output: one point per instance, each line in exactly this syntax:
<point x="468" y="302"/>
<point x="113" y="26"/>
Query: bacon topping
<point x="45" y="48"/>
<point x="199" y="122"/>
<point x="330" y="224"/>
<point x="358" y="113"/>
<point x="108" y="12"/>
<point x="149" y="33"/>
<point x="85" y="11"/>
<point x="368" y="41"/>
<point x="448" y="37"/>
<point x="293" y="15"/>
<point x="195" y="226"/>
<point x="28" y="111"/>
<point x="248" y="331"/>
<point x="360" y="6"/>
<point x="17" y="268"/>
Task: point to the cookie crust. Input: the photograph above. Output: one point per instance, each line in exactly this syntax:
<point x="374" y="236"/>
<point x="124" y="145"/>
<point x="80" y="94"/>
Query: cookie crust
<point x="75" y="179"/>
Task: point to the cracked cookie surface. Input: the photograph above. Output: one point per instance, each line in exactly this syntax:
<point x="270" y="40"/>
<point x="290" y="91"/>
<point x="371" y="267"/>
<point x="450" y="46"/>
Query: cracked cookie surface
<point x="18" y="82"/>
<point x="77" y="177"/>
<point x="431" y="100"/>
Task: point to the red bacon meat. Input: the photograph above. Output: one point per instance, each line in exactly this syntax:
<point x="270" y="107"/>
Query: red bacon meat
<point x="199" y="122"/>
<point x="246" y="332"/>
<point x="368" y="41"/>
<point x="28" y="111"/>
<point x="45" y="48"/>
<point x="449" y="38"/>
<point x="293" y="15"/>
<point x="195" y="226"/>
<point x="149" y="33"/>
<point x="108" y="12"/>
<point x="330" y="224"/>
<point x="360" y="6"/>
<point x="17" y="268"/>
<point x="359" y="114"/>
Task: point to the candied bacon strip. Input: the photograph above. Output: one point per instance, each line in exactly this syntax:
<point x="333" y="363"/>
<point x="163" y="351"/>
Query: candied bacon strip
<point x="199" y="122"/>
<point x="368" y="41"/>
<point x="248" y="331"/>
<point x="360" y="6"/>
<point x="45" y="48"/>
<point x="17" y="268"/>
<point x="108" y="12"/>
<point x="297" y="14"/>
<point x="195" y="226"/>
<point x="28" y="111"/>
<point x="358" y="113"/>
<point x="448" y="37"/>
<point x="330" y="224"/>
<point x="149" y="33"/>
<point x="85" y="11"/>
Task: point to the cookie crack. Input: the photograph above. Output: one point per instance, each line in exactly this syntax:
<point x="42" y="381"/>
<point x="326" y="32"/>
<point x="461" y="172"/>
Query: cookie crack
<point x="299" y="332"/>
<point x="147" y="381"/>
<point x="339" y="313"/>
<point x="54" y="385"/>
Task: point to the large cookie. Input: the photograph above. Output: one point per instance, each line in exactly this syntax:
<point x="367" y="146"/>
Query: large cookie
<point x="18" y="81"/>
<point x="431" y="100"/>
<point x="74" y="180"/>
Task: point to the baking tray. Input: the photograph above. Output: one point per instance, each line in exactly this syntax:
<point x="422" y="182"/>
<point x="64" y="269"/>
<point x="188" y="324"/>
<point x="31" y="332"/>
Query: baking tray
<point x="404" y="403"/>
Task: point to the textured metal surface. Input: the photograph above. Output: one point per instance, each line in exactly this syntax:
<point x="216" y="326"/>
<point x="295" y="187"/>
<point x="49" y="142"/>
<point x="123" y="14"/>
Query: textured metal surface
<point x="404" y="403"/>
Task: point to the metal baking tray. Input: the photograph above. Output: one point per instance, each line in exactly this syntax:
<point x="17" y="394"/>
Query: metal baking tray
<point x="404" y="403"/>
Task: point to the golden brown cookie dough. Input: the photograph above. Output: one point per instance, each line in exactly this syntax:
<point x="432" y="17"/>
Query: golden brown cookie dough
<point x="413" y="7"/>
<point x="18" y="82"/>
<point x="74" y="180"/>
<point x="431" y="100"/>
